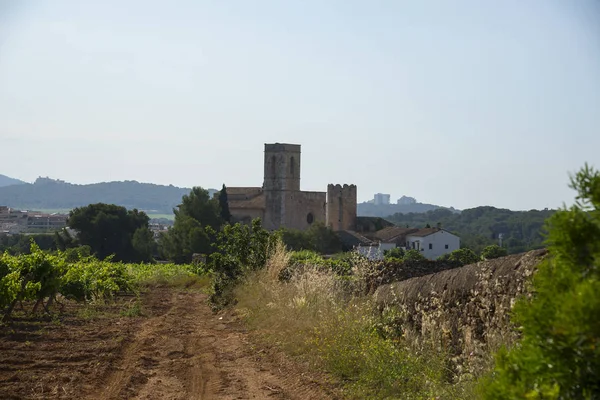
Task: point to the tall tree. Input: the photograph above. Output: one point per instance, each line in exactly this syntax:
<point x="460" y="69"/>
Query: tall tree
<point x="196" y="218"/>
<point x="224" y="205"/>
<point x="110" y="229"/>
<point x="199" y="206"/>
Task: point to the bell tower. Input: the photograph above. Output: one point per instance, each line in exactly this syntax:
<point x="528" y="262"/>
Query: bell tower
<point x="282" y="167"/>
<point x="281" y="179"/>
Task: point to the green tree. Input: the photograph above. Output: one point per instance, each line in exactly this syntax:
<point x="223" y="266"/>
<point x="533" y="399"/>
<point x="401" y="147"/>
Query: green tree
<point x="413" y="255"/>
<point x="396" y="253"/>
<point x="224" y="205"/>
<point x="558" y="356"/>
<point x="196" y="219"/>
<point x="186" y="237"/>
<point x="199" y="206"/>
<point x="464" y="256"/>
<point x="493" y="251"/>
<point x="109" y="229"/>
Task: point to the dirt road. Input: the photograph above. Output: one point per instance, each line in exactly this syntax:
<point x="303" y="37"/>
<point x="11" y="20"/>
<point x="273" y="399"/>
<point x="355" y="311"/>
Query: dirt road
<point x="179" y="350"/>
<point x="190" y="353"/>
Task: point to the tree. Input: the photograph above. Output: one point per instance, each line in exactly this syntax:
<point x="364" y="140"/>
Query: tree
<point x="224" y="205"/>
<point x="558" y="356"/>
<point x="413" y="255"/>
<point x="199" y="206"/>
<point x="197" y="219"/>
<point x="396" y="253"/>
<point x="186" y="237"/>
<point x="464" y="256"/>
<point x="493" y="251"/>
<point x="109" y="229"/>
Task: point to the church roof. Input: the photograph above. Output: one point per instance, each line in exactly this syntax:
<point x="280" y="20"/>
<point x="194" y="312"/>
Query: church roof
<point x="245" y="198"/>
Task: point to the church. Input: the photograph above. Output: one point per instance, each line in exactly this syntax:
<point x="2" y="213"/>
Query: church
<point x="279" y="202"/>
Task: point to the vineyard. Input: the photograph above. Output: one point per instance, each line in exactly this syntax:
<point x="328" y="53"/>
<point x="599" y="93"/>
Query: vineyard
<point x="42" y="279"/>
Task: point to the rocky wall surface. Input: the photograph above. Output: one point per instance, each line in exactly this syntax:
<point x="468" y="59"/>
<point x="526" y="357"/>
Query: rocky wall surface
<point x="464" y="311"/>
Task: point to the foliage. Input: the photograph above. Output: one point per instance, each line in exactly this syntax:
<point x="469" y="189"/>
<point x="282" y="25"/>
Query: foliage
<point x="196" y="220"/>
<point x="318" y="238"/>
<point x="479" y="227"/>
<point x="413" y="255"/>
<point x="199" y="206"/>
<point x="41" y="276"/>
<point x="558" y="356"/>
<point x="186" y="237"/>
<point x="396" y="253"/>
<point x="20" y="243"/>
<point x="224" y="205"/>
<point x="238" y="249"/>
<point x="493" y="251"/>
<point x="462" y="256"/>
<point x="109" y="230"/>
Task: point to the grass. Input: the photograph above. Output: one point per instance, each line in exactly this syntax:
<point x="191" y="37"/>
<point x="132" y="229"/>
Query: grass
<point x="326" y="321"/>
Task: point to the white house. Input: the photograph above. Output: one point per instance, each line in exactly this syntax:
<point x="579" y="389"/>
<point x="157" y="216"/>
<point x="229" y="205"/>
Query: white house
<point x="374" y="251"/>
<point x="432" y="242"/>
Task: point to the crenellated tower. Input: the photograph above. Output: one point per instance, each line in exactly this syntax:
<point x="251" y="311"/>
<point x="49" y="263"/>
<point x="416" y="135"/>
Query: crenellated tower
<point x="340" y="212"/>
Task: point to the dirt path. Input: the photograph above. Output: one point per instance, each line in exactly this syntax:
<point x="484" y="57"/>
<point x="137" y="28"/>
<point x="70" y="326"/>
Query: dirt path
<point x="184" y="351"/>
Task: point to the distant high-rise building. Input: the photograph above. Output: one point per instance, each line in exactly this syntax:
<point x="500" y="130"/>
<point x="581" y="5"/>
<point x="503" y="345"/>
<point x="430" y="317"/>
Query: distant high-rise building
<point x="381" y="198"/>
<point x="405" y="201"/>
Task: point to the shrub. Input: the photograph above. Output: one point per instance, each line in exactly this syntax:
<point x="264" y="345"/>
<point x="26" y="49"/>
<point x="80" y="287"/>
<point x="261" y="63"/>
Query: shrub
<point x="413" y="255"/>
<point x="558" y="356"/>
<point x="493" y="251"/>
<point x="462" y="256"/>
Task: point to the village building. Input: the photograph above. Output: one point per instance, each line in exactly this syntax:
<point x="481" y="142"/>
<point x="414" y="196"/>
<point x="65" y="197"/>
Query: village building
<point x="432" y="242"/>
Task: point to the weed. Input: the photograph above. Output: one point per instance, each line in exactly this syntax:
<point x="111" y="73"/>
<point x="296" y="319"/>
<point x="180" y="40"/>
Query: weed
<point x="326" y="319"/>
<point x="134" y="309"/>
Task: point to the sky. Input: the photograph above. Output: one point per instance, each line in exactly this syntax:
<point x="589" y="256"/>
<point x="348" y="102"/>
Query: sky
<point x="456" y="103"/>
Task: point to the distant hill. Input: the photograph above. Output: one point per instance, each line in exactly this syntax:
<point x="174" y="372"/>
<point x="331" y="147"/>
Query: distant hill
<point x="7" y="181"/>
<point x="384" y="210"/>
<point x="47" y="193"/>
<point x="479" y="227"/>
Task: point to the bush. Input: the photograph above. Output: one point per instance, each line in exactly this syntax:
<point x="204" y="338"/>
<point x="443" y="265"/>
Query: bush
<point x="558" y="356"/>
<point x="493" y="251"/>
<point x="395" y="253"/>
<point x="462" y="257"/>
<point x="413" y="255"/>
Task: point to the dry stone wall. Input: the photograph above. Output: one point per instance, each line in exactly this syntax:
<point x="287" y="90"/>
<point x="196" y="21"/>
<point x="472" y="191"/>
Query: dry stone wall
<point x="463" y="311"/>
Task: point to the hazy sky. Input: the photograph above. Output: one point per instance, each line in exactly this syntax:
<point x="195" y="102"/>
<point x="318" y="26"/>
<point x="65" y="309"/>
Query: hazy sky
<point x="457" y="103"/>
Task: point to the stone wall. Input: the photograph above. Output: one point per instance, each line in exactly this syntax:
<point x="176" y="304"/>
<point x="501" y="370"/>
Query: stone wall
<point x="464" y="311"/>
<point x="341" y="207"/>
<point x="300" y="204"/>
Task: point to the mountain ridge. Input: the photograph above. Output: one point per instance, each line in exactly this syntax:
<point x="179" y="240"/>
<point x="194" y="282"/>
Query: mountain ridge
<point x="8" y="181"/>
<point x="46" y="193"/>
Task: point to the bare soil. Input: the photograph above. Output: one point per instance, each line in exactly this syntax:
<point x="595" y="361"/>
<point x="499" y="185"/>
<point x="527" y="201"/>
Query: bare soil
<point x="178" y="349"/>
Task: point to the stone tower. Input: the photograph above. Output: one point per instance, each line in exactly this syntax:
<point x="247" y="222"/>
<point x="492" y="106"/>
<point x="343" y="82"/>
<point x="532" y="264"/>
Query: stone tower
<point x="282" y="179"/>
<point x="341" y="207"/>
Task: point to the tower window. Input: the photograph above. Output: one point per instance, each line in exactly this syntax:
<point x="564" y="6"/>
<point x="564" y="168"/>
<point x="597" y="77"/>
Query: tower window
<point x="292" y="166"/>
<point x="273" y="166"/>
<point x="310" y="218"/>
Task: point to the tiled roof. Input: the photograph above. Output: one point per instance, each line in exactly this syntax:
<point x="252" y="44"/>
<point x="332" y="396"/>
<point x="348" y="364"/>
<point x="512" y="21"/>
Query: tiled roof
<point x="351" y="238"/>
<point x="248" y="191"/>
<point x="256" y="202"/>
<point x="425" y="232"/>
<point x="392" y="232"/>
